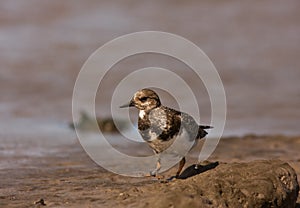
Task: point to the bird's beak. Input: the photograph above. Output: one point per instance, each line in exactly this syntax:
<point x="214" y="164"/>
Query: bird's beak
<point x="130" y="104"/>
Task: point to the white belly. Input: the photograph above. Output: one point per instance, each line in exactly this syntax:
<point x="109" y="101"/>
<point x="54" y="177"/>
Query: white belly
<point x="142" y="114"/>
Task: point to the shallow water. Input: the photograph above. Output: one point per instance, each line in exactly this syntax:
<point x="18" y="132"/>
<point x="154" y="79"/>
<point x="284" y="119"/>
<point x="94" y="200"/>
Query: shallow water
<point x="254" y="46"/>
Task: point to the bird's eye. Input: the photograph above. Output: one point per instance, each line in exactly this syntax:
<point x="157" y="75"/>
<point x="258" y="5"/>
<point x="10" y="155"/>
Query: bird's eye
<point x="143" y="99"/>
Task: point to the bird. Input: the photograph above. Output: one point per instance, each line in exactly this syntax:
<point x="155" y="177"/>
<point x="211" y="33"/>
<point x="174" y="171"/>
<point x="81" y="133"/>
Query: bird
<point x="161" y="126"/>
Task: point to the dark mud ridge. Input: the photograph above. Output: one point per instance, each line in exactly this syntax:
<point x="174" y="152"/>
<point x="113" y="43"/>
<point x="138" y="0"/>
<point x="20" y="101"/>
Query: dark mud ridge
<point x="269" y="183"/>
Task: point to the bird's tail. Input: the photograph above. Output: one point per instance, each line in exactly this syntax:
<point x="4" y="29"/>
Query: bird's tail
<point x="206" y="127"/>
<point x="201" y="132"/>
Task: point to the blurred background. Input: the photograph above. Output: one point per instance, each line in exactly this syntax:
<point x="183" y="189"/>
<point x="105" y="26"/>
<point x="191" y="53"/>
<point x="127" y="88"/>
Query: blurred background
<point x="253" y="44"/>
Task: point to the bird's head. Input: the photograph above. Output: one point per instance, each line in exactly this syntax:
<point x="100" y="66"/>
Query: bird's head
<point x="144" y="99"/>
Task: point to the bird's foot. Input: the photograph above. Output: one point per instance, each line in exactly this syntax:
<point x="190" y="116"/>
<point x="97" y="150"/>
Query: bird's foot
<point x="155" y="174"/>
<point x="172" y="178"/>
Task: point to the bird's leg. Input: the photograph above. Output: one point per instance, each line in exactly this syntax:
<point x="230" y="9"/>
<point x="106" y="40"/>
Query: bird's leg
<point x="181" y="164"/>
<point x="155" y="172"/>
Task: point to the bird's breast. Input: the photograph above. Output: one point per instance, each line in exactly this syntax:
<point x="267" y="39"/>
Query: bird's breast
<point x="142" y="114"/>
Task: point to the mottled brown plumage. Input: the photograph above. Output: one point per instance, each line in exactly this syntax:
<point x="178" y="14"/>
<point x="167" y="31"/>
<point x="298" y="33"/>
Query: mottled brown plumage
<point x="159" y="126"/>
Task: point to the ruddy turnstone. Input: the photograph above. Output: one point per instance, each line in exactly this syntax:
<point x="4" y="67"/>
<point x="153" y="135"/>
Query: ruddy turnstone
<point x="161" y="126"/>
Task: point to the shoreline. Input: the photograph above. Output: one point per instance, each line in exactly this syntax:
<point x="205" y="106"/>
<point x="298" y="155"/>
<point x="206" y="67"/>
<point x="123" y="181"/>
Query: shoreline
<point x="69" y="178"/>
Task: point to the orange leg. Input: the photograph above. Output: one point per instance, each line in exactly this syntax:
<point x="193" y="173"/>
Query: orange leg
<point x="181" y="164"/>
<point x="158" y="166"/>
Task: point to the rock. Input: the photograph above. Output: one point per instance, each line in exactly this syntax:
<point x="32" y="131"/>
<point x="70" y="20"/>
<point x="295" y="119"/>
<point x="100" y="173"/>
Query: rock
<point x="270" y="183"/>
<point x="106" y="125"/>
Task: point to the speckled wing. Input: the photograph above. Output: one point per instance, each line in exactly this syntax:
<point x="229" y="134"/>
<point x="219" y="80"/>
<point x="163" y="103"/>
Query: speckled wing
<point x="162" y="125"/>
<point x="167" y="123"/>
<point x="161" y="122"/>
<point x="190" y="125"/>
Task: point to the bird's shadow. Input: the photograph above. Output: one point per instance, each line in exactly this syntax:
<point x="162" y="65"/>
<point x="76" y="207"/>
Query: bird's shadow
<point x="196" y="169"/>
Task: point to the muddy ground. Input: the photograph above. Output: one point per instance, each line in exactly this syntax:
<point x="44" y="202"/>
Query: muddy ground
<point x="69" y="178"/>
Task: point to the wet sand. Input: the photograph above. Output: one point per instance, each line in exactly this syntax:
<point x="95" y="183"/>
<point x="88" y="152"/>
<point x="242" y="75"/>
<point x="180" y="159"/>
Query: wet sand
<point x="67" y="177"/>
